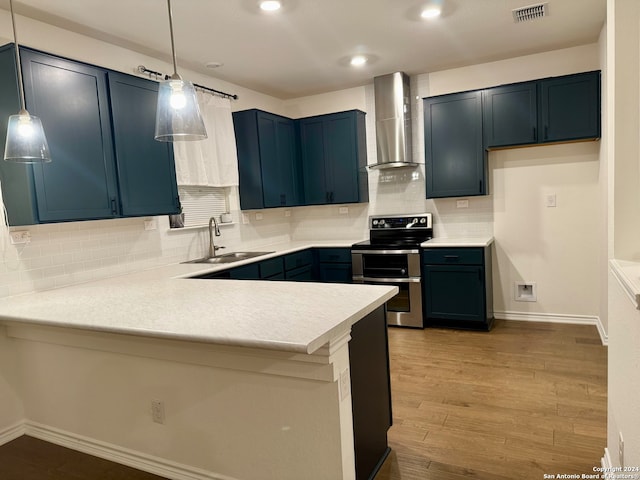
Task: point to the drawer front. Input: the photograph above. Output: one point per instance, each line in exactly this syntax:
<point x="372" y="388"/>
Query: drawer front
<point x="453" y="256"/>
<point x="272" y="267"/>
<point x="245" y="272"/>
<point x="334" y="255"/>
<point x="298" y="259"/>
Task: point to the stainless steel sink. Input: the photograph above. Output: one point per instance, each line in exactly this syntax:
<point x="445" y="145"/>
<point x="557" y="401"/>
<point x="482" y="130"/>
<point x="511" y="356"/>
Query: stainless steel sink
<point x="228" y="257"/>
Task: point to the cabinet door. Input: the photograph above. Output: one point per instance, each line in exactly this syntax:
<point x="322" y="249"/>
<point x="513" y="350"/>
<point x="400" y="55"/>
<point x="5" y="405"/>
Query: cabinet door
<point x="454" y="293"/>
<point x="570" y="107"/>
<point x="249" y="171"/>
<point x="72" y="101"/>
<point x="278" y="160"/>
<point x="341" y="157"/>
<point x="454" y="156"/>
<point x="510" y="115"/>
<point x="146" y="169"/>
<point x="312" y="148"/>
<point x="335" y="272"/>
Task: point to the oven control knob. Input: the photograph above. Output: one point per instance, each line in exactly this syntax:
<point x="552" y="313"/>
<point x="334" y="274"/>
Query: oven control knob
<point x="381" y="222"/>
<point x="375" y="222"/>
<point x="423" y="220"/>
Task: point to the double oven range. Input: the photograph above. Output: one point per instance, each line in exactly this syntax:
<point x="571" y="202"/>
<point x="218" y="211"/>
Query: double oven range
<point x="391" y="256"/>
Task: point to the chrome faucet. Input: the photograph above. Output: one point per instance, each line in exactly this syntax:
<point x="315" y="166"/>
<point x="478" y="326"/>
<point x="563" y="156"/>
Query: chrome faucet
<point x="212" y="248"/>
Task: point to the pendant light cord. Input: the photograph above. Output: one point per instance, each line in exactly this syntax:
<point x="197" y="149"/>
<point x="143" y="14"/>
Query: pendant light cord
<point x="23" y="103"/>
<point x="173" y="46"/>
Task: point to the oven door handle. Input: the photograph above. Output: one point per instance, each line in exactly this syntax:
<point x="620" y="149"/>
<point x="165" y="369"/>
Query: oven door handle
<point x="386" y="280"/>
<point x="384" y="252"/>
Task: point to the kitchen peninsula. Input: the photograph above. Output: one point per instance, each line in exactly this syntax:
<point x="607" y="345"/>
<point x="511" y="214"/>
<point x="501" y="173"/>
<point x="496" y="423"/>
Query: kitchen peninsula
<point x="251" y="379"/>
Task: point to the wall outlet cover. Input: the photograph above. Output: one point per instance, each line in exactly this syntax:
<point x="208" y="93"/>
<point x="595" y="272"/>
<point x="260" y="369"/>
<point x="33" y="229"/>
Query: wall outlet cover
<point x="19" y="237"/>
<point x="525" y="292"/>
<point x="462" y="203"/>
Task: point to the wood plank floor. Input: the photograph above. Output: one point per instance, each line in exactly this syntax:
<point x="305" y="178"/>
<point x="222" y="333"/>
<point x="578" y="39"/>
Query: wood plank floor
<point x="517" y="402"/>
<point x="27" y="458"/>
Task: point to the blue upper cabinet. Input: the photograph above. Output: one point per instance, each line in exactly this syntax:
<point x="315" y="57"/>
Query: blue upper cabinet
<point x="454" y="157"/>
<point x="267" y="160"/>
<point x="99" y="126"/>
<point x="333" y="149"/>
<point x="72" y="101"/>
<point x="558" y="109"/>
<point x="569" y="107"/>
<point x="145" y="167"/>
<point x="510" y="115"/>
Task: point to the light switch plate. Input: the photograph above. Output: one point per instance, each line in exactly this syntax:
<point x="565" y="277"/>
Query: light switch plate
<point x="20" y="237"/>
<point x="550" y="200"/>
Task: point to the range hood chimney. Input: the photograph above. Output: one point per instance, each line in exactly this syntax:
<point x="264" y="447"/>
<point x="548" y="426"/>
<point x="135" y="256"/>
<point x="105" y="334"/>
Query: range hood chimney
<point x="393" y="121"/>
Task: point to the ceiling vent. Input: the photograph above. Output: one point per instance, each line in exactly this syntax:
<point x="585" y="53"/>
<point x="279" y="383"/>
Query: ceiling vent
<point x="532" y="12"/>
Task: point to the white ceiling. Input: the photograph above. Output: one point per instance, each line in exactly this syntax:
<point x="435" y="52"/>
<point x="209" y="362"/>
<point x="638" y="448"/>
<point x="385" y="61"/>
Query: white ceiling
<point x="304" y="48"/>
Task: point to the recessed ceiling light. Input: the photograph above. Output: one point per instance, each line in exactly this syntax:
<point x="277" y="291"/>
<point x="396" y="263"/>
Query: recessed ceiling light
<point x="270" y="5"/>
<point x="213" y="64"/>
<point x="431" y="12"/>
<point x="358" y="60"/>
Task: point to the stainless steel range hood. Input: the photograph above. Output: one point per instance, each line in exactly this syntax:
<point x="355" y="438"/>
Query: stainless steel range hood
<point x="393" y="121"/>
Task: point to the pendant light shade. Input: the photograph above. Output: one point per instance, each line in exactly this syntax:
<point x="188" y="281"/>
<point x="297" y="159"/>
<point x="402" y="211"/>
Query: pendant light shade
<point x="178" y="114"/>
<point x="26" y="142"/>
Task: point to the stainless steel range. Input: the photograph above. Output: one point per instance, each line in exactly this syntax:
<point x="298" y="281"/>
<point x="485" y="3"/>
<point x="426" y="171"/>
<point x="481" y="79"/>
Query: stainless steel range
<point x="391" y="256"/>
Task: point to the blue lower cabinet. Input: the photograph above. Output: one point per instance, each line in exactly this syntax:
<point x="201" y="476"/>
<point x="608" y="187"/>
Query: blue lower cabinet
<point x="301" y="274"/>
<point x="245" y="272"/>
<point x="457" y="287"/>
<point x="272" y="269"/>
<point x="334" y="265"/>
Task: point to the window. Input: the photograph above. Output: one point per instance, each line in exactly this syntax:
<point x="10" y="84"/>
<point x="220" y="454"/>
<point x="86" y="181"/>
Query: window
<point x="201" y="203"/>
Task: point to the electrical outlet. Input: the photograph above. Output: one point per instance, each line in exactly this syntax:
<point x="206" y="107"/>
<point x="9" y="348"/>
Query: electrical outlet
<point x="20" y="236"/>
<point x="150" y="224"/>
<point x="621" y="449"/>
<point x="550" y="200"/>
<point x="462" y="203"/>
<point x="157" y="411"/>
<point x="259" y="216"/>
<point x="287" y="213"/>
<point x="345" y="384"/>
<point x="344" y="210"/>
<point x="245" y="219"/>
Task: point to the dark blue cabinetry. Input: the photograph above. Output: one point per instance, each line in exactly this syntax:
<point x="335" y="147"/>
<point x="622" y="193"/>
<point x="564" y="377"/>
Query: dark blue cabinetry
<point x="267" y="160"/>
<point x="145" y="167"/>
<point x="558" y="109"/>
<point x="457" y="287"/>
<point x="333" y="154"/>
<point x="72" y="101"/>
<point x="510" y="115"/>
<point x="334" y="265"/>
<point x="454" y="157"/>
<point x="99" y="126"/>
<point x="569" y="107"/>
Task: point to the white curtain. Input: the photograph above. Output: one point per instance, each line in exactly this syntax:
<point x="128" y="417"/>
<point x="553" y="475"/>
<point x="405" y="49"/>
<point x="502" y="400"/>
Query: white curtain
<point x="212" y="162"/>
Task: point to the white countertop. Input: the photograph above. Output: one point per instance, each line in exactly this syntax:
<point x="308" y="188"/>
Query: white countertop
<point x="458" y="242"/>
<point x="628" y="274"/>
<point x="161" y="302"/>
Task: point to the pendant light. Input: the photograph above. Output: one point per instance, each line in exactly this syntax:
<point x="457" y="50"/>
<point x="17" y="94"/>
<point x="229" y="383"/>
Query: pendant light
<point x="178" y="114"/>
<point x="26" y="142"/>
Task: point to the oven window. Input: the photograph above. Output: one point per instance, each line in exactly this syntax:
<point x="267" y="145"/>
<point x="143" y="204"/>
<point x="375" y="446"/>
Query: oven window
<point x="401" y="302"/>
<point x="385" y="265"/>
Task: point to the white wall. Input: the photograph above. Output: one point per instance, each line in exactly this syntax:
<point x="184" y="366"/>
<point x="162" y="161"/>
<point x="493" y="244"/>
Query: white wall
<point x="623" y="62"/>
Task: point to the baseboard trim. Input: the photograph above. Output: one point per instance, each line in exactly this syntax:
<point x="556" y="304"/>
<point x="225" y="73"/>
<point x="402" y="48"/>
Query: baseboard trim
<point x="557" y="318"/>
<point x="12" y="432"/>
<point x="115" y="453"/>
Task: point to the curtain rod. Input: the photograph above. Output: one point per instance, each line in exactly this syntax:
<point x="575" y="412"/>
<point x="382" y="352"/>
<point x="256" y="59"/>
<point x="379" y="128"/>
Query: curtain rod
<point x="143" y="69"/>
